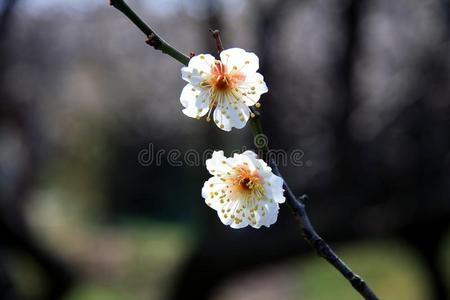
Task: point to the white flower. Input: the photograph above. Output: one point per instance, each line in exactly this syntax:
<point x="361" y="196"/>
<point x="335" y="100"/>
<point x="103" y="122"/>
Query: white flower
<point x="227" y="86"/>
<point x="243" y="190"/>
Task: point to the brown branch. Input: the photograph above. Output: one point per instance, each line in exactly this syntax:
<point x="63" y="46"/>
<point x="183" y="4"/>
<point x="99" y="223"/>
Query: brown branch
<point x="218" y="39"/>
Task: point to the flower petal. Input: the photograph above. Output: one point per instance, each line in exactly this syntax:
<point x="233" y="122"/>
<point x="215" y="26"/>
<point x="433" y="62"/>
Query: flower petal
<point x="251" y="159"/>
<point x="237" y="215"/>
<point x="231" y="113"/>
<point x="226" y="212"/>
<point x="274" y="188"/>
<point x="252" y="89"/>
<point x="239" y="59"/>
<point x="198" y="69"/>
<point x="267" y="214"/>
<point x="194" y="101"/>
<point x="218" y="164"/>
<point x="212" y="192"/>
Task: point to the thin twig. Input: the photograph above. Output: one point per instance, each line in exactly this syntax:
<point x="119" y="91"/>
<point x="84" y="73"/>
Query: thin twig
<point x="297" y="205"/>
<point x="218" y="39"/>
<point x="153" y="39"/>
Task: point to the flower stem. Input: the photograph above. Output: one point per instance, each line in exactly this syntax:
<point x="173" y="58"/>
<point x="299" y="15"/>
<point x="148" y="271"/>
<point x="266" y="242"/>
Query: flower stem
<point x="297" y="205"/>
<point x="153" y="39"/>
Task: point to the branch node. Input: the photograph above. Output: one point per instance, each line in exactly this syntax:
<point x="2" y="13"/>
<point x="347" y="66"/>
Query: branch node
<point x="303" y="199"/>
<point x="153" y="40"/>
<point x="356" y="281"/>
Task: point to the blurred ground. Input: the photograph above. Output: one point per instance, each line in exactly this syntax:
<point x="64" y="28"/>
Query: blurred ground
<point x="136" y="259"/>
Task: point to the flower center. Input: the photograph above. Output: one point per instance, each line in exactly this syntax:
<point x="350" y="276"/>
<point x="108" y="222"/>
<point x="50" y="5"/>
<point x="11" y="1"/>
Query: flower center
<point x="222" y="80"/>
<point x="246" y="184"/>
<point x="247" y="181"/>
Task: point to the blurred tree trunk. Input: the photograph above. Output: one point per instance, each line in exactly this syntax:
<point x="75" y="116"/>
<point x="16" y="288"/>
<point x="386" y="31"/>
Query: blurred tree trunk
<point x="19" y="169"/>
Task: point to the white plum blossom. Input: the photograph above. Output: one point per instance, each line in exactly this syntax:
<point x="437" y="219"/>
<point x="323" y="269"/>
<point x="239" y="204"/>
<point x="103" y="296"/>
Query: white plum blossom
<point x="243" y="190"/>
<point x="225" y="88"/>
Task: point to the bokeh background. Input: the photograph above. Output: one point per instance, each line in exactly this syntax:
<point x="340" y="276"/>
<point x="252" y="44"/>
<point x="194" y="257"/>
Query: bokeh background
<point x="361" y="87"/>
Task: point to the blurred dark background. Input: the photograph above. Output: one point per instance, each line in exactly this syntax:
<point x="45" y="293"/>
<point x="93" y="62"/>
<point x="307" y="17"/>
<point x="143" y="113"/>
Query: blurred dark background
<point x="362" y="88"/>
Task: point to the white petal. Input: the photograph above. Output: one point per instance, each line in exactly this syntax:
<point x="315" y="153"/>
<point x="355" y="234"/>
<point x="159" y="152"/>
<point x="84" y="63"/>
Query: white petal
<point x="194" y="101"/>
<point x="198" y="69"/>
<point x="271" y="214"/>
<point x="218" y="163"/>
<point x="238" y="212"/>
<point x="252" y="88"/>
<point x="237" y="58"/>
<point x="230" y="212"/>
<point x="274" y="188"/>
<point x="226" y="211"/>
<point x="251" y="154"/>
<point x="251" y="159"/>
<point x="241" y="224"/>
<point x="231" y="113"/>
<point x="212" y="192"/>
